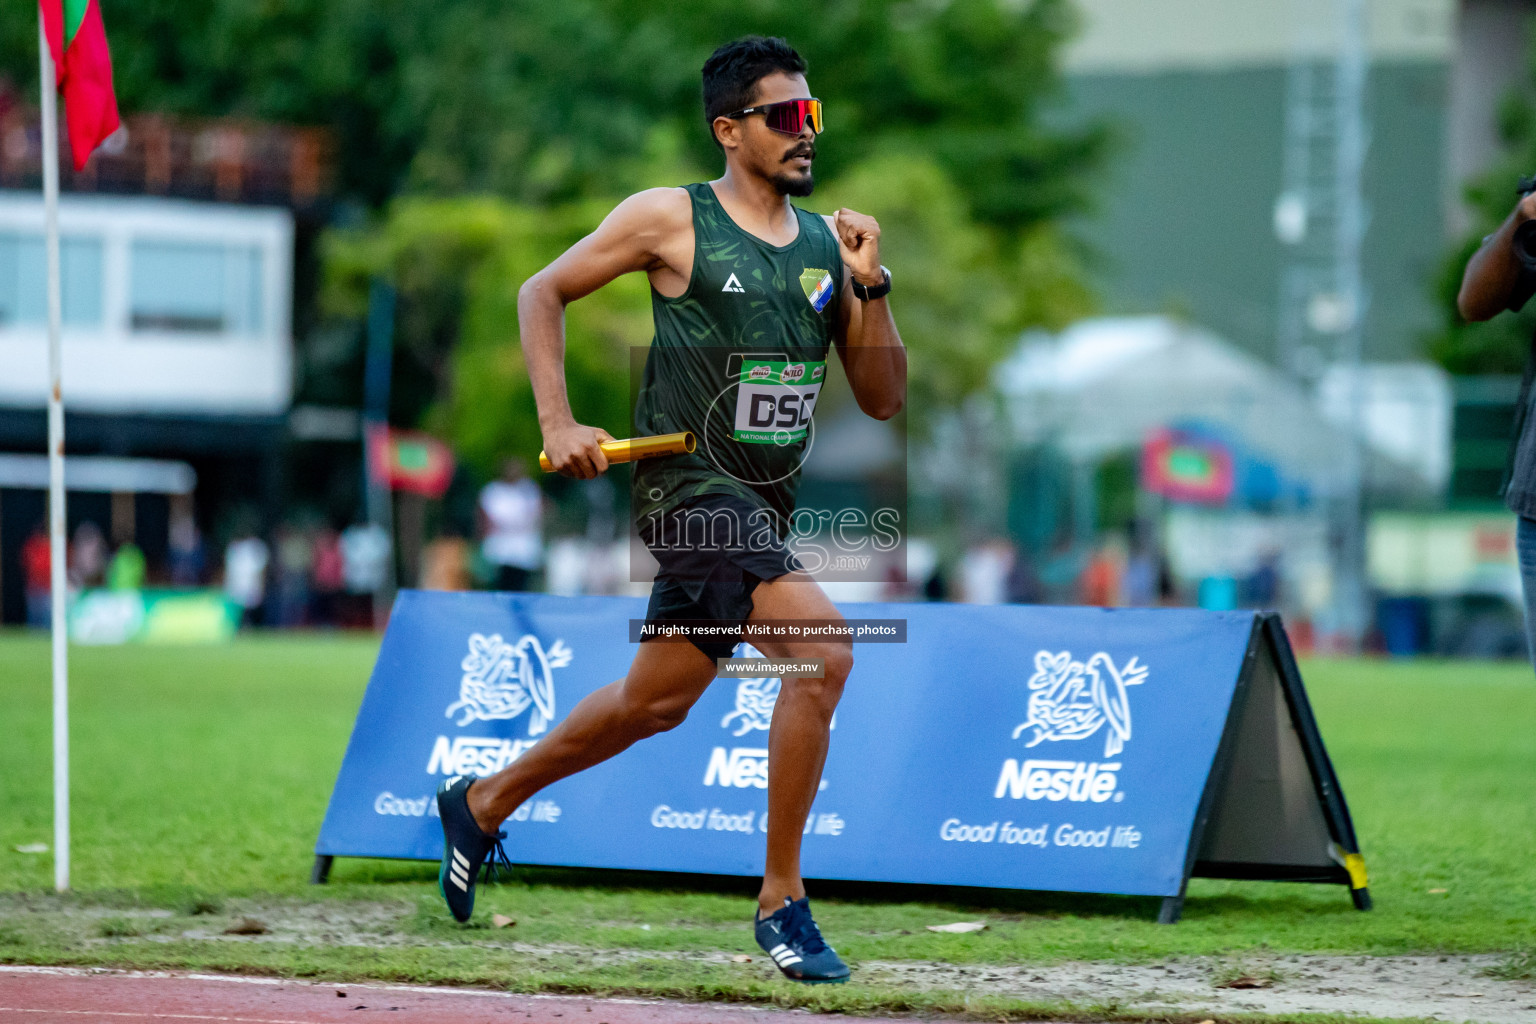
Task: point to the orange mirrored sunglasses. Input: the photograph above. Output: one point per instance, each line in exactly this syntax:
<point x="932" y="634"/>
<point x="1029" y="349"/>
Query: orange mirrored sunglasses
<point x="789" y="116"/>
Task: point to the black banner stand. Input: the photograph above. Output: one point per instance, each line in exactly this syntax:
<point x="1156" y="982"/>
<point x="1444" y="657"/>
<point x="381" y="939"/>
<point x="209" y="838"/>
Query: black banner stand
<point x="1272" y="809"/>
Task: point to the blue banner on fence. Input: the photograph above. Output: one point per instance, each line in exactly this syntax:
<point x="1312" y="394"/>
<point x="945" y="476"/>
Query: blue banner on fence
<point x="1013" y="746"/>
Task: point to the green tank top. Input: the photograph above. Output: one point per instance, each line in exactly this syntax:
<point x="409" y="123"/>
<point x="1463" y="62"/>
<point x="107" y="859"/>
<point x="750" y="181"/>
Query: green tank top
<point x="739" y="359"/>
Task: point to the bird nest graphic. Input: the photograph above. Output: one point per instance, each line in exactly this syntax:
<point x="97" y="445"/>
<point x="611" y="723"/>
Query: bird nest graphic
<point x="755" y="699"/>
<point x="1072" y="700"/>
<point x="503" y="680"/>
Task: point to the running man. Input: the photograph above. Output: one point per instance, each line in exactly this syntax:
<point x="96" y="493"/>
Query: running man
<point x="748" y="293"/>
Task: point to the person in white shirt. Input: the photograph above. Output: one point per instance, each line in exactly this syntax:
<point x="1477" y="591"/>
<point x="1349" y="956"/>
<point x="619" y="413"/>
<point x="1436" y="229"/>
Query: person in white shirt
<point x="245" y="575"/>
<point x="512" y="516"/>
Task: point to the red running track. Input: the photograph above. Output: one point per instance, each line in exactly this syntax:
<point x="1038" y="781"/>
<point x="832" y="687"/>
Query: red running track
<point x="50" y="995"/>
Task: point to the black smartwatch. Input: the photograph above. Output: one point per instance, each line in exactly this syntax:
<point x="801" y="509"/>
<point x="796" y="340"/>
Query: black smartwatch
<point x="878" y="291"/>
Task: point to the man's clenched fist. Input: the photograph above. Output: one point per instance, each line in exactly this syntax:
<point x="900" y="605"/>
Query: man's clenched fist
<point x="858" y="238"/>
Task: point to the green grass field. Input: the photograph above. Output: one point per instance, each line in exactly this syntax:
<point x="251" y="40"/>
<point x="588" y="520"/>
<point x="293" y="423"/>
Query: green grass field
<point x="201" y="775"/>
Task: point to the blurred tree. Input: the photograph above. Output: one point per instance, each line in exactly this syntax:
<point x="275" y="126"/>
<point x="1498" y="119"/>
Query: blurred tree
<point x="964" y="83"/>
<point x="962" y="292"/>
<point x="938" y="123"/>
<point x="1498" y="345"/>
<point x="550" y="102"/>
<point x="457" y="265"/>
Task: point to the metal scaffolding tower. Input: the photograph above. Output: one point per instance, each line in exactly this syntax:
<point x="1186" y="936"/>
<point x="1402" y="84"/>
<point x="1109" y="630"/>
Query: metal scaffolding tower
<point x="1320" y="216"/>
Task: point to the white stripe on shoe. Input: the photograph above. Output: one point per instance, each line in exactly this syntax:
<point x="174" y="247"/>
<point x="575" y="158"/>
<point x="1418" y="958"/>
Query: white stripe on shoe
<point x="783" y="955"/>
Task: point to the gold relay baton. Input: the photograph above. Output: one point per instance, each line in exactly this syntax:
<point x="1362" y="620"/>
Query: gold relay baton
<point x="631" y="448"/>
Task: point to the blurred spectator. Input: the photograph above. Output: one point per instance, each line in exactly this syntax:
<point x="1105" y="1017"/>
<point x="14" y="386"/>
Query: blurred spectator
<point x="245" y="575"/>
<point x="1263" y="586"/>
<point x="601" y="524"/>
<point x="1060" y="572"/>
<point x="365" y="555"/>
<point x="512" y="513"/>
<point x="1100" y="583"/>
<point x="127" y="569"/>
<point x="936" y="586"/>
<point x="1167" y="587"/>
<point x="984" y="570"/>
<point x="896" y="585"/>
<point x="87" y="555"/>
<point x="187" y="558"/>
<point x="1023" y="583"/>
<point x="445" y="564"/>
<point x="329" y="577"/>
<point x="1142" y="571"/>
<point x="290" y="591"/>
<point x="36" y="570"/>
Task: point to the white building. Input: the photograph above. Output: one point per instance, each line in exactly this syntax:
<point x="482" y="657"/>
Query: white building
<point x="177" y="354"/>
<point x="170" y="306"/>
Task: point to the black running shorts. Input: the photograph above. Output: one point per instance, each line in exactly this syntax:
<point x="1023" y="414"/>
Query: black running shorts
<point x="713" y="551"/>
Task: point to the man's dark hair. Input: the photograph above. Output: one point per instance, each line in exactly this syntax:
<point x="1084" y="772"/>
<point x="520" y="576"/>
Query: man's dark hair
<point x="732" y="72"/>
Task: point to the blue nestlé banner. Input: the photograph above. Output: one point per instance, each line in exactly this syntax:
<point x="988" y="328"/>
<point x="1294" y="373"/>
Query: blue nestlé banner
<point x="1012" y="746"/>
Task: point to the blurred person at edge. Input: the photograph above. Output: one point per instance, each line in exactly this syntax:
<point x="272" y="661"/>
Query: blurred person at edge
<point x="128" y="568"/>
<point x="37" y="571"/>
<point x="187" y="556"/>
<point x="1023" y="582"/>
<point x="1101" y="580"/>
<point x="245" y="575"/>
<point x="445" y="563"/>
<point x="1496" y="279"/>
<point x="87" y="556"/>
<point x="329" y="577"/>
<point x="295" y="560"/>
<point x="366" y="569"/>
<point x="1142" y="567"/>
<point x="512" y="518"/>
<point x="984" y="572"/>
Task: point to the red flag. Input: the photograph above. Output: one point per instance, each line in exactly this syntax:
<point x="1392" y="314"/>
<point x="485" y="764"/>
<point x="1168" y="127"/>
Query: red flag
<point x="1187" y="468"/>
<point x="82" y="68"/>
<point x="408" y="460"/>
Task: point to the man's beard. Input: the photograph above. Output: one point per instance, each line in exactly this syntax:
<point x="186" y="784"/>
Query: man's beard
<point x="798" y="186"/>
<point x="793" y="185"/>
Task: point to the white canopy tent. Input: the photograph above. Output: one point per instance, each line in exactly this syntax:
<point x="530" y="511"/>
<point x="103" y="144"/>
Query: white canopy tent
<point x="1102" y="385"/>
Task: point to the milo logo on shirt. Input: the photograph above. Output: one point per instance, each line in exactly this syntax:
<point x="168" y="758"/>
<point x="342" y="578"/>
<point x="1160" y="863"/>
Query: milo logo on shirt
<point x="775" y="400"/>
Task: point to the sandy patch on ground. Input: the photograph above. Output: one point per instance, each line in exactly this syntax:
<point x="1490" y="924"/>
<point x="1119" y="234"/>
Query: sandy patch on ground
<point x="1448" y="988"/>
<point x="1451" y="988"/>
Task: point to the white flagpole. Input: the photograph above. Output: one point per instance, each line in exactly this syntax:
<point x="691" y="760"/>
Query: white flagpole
<point x="50" y="148"/>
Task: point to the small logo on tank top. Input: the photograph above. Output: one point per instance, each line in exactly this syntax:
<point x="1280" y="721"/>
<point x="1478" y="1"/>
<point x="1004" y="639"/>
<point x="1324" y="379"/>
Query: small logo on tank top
<point x="733" y="285"/>
<point x="818" y="287"/>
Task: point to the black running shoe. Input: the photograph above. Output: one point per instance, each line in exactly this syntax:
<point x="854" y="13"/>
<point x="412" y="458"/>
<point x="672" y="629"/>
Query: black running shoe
<point x="465" y="848"/>
<point x="793" y="940"/>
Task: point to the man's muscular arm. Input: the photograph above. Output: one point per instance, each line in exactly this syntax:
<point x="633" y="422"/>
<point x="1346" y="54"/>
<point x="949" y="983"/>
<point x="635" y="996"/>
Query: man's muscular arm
<point x="1493" y="272"/>
<point x="868" y="342"/>
<point x="641" y="234"/>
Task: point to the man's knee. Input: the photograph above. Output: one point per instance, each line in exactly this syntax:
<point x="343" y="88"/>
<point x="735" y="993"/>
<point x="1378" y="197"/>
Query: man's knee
<point x="839" y="661"/>
<point x="827" y="689"/>
<point x="658" y="713"/>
